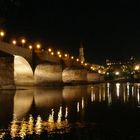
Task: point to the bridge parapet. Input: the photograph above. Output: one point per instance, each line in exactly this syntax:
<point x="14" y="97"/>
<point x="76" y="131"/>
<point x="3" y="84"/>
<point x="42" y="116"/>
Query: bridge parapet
<point x="15" y="50"/>
<point x="44" y="56"/>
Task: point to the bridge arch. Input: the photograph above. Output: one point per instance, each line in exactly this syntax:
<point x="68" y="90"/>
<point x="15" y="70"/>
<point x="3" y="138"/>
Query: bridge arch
<point x="23" y="73"/>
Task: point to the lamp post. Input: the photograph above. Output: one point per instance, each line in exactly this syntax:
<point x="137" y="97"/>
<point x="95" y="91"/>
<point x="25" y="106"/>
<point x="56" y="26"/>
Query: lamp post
<point x="49" y="50"/>
<point x="30" y="47"/>
<point x="14" y="42"/>
<point x="2" y="34"/>
<point x="23" y="41"/>
<point x="38" y="47"/>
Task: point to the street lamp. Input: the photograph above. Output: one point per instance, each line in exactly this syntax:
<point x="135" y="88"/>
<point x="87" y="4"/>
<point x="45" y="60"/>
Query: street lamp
<point x="85" y="64"/>
<point x="58" y="52"/>
<point x="38" y="46"/>
<point x="117" y="73"/>
<point x="137" y="67"/>
<point x="52" y="53"/>
<point x="77" y="59"/>
<point x="72" y="57"/>
<point x="30" y="47"/>
<point x="23" y="41"/>
<point x="2" y="34"/>
<point x="14" y="42"/>
<point x="49" y="49"/>
<point x="66" y="55"/>
<point x="99" y="71"/>
<point x="60" y="55"/>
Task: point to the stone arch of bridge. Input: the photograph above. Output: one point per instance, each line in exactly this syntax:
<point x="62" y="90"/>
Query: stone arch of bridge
<point x="23" y="73"/>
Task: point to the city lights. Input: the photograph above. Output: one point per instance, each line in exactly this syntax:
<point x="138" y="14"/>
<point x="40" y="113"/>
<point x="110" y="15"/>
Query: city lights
<point x="69" y="70"/>
<point x="90" y="67"/>
<point x="52" y="53"/>
<point x="58" y="52"/>
<point x="14" y="42"/>
<point x="49" y="49"/>
<point x="2" y="33"/>
<point x="99" y="71"/>
<point x="77" y="59"/>
<point x="137" y="67"/>
<point x="66" y="55"/>
<point x="30" y="47"/>
<point x="85" y="64"/>
<point x="23" y="41"/>
<point x="72" y="57"/>
<point x="38" y="46"/>
<point x="117" y="73"/>
<point x="60" y="55"/>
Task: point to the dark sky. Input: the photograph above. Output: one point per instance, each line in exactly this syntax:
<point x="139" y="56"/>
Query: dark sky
<point x="108" y="29"/>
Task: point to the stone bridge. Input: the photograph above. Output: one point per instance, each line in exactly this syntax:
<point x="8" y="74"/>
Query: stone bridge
<point x="21" y="66"/>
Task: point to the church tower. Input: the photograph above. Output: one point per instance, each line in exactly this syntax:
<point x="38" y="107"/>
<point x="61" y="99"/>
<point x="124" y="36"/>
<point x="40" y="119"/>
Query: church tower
<point x="81" y="53"/>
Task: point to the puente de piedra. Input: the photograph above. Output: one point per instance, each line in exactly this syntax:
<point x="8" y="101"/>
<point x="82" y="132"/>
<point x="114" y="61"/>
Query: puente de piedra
<point x="23" y="67"/>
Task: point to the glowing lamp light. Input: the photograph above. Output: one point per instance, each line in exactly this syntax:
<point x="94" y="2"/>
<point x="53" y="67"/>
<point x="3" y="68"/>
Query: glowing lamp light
<point x="58" y="52"/>
<point x="66" y="55"/>
<point x="85" y="64"/>
<point x="23" y="41"/>
<point x="60" y="55"/>
<point x="38" y="46"/>
<point x="107" y="73"/>
<point x="52" y="53"/>
<point x="30" y="47"/>
<point x="14" y="42"/>
<point x="91" y="67"/>
<point x="99" y="71"/>
<point x="77" y="59"/>
<point x="72" y="57"/>
<point x="2" y="33"/>
<point x="137" y="67"/>
<point x="49" y="49"/>
<point x="117" y="73"/>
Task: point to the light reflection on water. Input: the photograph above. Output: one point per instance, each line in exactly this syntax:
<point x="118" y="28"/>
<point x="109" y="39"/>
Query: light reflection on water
<point x="51" y="109"/>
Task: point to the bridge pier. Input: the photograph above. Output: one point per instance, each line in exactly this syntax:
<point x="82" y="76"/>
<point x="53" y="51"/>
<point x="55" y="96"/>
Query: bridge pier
<point x="48" y="74"/>
<point x="93" y="77"/>
<point x="74" y="75"/>
<point x="6" y="71"/>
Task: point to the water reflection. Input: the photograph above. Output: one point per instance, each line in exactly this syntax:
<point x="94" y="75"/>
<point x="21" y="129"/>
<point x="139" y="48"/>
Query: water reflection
<point x="72" y="99"/>
<point x="6" y="107"/>
<point x="23" y="101"/>
<point x="37" y="110"/>
<point x="47" y="99"/>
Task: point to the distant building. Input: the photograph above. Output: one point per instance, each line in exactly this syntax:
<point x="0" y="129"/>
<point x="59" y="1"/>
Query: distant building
<point x="124" y="69"/>
<point x="81" y="53"/>
<point x="130" y="61"/>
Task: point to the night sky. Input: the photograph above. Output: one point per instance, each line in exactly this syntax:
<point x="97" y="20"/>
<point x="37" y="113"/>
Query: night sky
<point x="108" y="29"/>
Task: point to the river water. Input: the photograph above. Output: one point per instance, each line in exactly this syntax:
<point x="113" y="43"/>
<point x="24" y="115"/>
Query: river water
<point x="101" y="111"/>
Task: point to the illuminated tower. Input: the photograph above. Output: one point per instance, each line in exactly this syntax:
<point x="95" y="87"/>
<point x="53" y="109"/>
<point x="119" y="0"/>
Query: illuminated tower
<point x="81" y="53"/>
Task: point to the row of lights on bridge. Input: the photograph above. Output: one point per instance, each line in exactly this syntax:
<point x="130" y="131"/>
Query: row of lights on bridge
<point x="38" y="47"/>
<point x="22" y="41"/>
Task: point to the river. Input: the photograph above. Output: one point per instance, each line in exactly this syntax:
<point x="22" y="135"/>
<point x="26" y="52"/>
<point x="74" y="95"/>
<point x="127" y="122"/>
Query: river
<point x="99" y="111"/>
